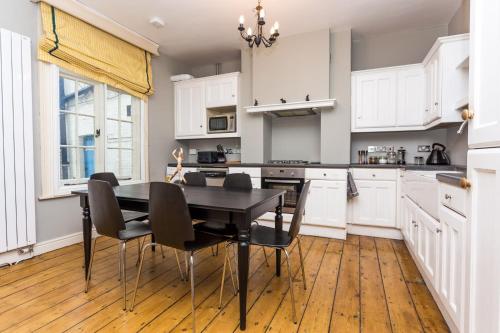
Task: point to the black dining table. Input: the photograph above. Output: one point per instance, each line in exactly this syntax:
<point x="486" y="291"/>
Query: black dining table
<point x="239" y="207"/>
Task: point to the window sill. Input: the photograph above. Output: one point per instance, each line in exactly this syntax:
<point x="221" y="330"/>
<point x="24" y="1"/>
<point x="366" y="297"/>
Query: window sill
<point x="65" y="192"/>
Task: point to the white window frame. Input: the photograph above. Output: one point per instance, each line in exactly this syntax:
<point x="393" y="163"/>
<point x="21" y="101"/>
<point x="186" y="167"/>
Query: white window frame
<point x="50" y="139"/>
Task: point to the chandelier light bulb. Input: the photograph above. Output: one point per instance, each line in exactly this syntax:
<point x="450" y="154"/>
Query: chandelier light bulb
<point x="272" y="31"/>
<point x="242" y="19"/>
<point x="258" y="37"/>
<point x="276" y="25"/>
<point x="249" y="31"/>
<point x="262" y="14"/>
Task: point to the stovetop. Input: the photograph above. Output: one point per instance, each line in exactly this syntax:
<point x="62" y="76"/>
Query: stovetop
<point x="298" y="162"/>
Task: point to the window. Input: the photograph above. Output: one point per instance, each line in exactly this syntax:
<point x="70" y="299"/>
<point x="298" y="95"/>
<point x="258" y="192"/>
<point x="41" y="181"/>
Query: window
<point x="97" y="128"/>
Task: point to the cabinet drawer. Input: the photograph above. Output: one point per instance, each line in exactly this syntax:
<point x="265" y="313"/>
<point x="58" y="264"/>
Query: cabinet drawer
<point x="326" y="174"/>
<point x="253" y="172"/>
<point x="374" y="174"/>
<point x="453" y="197"/>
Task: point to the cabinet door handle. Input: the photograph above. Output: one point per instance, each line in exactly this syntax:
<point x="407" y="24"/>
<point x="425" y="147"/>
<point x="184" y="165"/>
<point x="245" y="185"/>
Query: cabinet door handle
<point x="324" y="174"/>
<point x="447" y="196"/>
<point x="438" y="230"/>
<point x="436" y="103"/>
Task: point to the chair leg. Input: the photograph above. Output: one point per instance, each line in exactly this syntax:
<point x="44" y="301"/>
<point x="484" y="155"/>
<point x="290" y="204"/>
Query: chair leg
<point x="235" y="289"/>
<point x="294" y="316"/>
<point x="124" y="272"/>
<point x="302" y="263"/>
<point x="140" y="242"/>
<point x="90" y="266"/>
<point x="119" y="261"/>
<point x="186" y="262"/>
<point x="222" y="280"/>
<point x="191" y="266"/>
<point x="265" y="256"/>
<point x="139" y="275"/>
<point x="179" y="265"/>
<point x="235" y="258"/>
<point x="162" y="253"/>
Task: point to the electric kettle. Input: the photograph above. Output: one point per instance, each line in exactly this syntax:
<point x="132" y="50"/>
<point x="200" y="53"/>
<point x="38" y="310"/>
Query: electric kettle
<point x="438" y="156"/>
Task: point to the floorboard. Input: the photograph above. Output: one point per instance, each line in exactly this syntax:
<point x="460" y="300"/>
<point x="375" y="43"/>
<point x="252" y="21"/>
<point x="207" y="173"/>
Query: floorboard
<point x="363" y="284"/>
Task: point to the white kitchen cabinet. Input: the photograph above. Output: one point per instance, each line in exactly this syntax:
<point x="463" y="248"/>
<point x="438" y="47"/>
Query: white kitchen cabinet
<point x="451" y="288"/>
<point x="376" y="203"/>
<point x="411" y="234"/>
<point x="221" y="90"/>
<point x="373" y="98"/>
<point x="446" y="82"/>
<point x="428" y="246"/>
<point x="256" y="182"/>
<point x="410" y="96"/>
<point x="190" y="112"/>
<point x="484" y="67"/>
<point x="483" y="228"/>
<point x="326" y="203"/>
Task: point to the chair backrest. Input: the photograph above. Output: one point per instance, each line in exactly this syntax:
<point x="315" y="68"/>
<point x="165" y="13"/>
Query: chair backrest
<point x="195" y="179"/>
<point x="298" y="215"/>
<point x="105" y="211"/>
<point x="238" y="181"/>
<point x="107" y="177"/>
<point x="169" y="215"/>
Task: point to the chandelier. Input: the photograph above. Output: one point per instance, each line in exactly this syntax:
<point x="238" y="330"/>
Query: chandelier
<point x="258" y="37"/>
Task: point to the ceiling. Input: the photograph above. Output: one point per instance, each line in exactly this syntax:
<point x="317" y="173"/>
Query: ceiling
<point x="204" y="31"/>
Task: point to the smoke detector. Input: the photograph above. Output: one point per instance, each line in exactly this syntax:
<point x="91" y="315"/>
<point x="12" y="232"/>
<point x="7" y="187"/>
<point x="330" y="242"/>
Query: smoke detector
<point x="157" y="22"/>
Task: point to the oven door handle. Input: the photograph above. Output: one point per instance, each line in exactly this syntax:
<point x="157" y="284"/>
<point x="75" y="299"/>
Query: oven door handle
<point x="281" y="181"/>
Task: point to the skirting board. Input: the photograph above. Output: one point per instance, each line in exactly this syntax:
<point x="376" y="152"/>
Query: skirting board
<point x="434" y="293"/>
<point x="362" y="230"/>
<point x="13" y="257"/>
<point x="312" y="230"/>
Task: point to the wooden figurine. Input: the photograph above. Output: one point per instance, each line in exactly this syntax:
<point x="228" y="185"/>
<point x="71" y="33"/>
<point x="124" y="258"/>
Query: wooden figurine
<point x="179" y="157"/>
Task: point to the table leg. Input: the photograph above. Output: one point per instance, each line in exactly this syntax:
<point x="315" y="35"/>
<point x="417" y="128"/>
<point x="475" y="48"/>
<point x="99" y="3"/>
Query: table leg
<point x="278" y="226"/>
<point x="87" y="232"/>
<point x="243" y="264"/>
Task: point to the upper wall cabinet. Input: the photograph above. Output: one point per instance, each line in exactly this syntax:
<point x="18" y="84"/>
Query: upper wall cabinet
<point x="387" y="98"/>
<point x="413" y="97"/>
<point x="221" y="92"/>
<point x="484" y="127"/>
<point x="193" y="97"/>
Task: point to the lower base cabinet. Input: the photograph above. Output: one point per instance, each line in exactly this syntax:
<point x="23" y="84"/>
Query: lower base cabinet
<point x="376" y="203"/>
<point x="428" y="246"/>
<point x="326" y="203"/>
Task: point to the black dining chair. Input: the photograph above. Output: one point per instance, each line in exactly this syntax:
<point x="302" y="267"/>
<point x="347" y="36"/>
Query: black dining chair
<point x="172" y="226"/>
<point x="108" y="220"/>
<point x="281" y="240"/>
<point x="110" y="177"/>
<point x="195" y="179"/>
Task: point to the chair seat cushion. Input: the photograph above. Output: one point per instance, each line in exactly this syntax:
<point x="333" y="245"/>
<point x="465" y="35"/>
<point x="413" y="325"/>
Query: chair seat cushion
<point x="217" y="228"/>
<point x="134" y="229"/>
<point x="265" y="236"/>
<point x="203" y="240"/>
<point x="129" y="215"/>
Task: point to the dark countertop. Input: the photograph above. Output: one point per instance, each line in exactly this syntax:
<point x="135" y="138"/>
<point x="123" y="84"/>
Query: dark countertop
<point x="450" y="178"/>
<point x="326" y="166"/>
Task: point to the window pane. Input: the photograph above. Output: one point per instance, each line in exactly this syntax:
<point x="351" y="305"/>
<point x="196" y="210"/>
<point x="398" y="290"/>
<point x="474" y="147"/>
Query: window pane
<point x="112" y="104"/>
<point x="68" y="160"/>
<point x="85" y="131"/>
<point x="112" y="135"/>
<point x="126" y="163"/>
<point x="126" y="135"/>
<point x="66" y="94"/>
<point x="112" y="161"/>
<point x="85" y="98"/>
<point x="125" y="107"/>
<point x="67" y="129"/>
<point x="87" y="162"/>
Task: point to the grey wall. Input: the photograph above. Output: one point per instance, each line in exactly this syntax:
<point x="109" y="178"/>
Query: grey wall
<point x="161" y="116"/>
<point x="294" y="67"/>
<point x="336" y="124"/>
<point x="460" y="22"/>
<point x="227" y="66"/>
<point x="296" y="138"/>
<point x="394" y="48"/>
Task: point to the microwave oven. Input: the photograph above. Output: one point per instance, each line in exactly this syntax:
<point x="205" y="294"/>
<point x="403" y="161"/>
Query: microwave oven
<point x="222" y="123"/>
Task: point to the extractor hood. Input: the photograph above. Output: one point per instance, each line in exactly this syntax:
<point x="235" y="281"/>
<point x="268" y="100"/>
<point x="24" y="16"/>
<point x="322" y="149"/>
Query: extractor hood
<point x="293" y="109"/>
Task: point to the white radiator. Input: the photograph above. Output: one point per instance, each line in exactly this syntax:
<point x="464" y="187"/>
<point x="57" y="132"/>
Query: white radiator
<point x="17" y="187"/>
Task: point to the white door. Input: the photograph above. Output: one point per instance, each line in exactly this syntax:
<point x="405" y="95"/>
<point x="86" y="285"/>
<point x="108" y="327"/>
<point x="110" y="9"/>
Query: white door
<point x="413" y="227"/>
<point x="374" y="97"/>
<point x="452" y="266"/>
<point x="405" y="218"/>
<point x="484" y="83"/>
<point x="434" y="80"/>
<point x="483" y="172"/>
<point x="221" y="92"/>
<point x="189" y="109"/>
<point x="428" y="245"/>
<point x="376" y="203"/>
<point x="326" y="204"/>
<point x="411" y="102"/>
<point x="362" y="205"/>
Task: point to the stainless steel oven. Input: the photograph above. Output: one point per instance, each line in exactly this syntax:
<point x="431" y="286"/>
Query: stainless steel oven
<point x="289" y="179"/>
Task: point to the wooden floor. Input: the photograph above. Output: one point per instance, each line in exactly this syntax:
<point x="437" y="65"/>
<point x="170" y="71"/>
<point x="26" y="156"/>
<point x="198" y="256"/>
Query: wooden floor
<point x="361" y="285"/>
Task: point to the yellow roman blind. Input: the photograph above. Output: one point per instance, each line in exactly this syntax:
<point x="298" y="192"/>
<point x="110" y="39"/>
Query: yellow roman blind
<point x="86" y="50"/>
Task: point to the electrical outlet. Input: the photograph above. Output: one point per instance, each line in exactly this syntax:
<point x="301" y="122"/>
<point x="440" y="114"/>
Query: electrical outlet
<point x="372" y="149"/>
<point x="423" y="148"/>
<point x="193" y="151"/>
